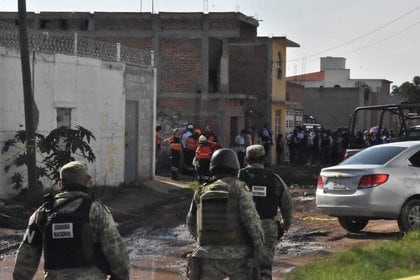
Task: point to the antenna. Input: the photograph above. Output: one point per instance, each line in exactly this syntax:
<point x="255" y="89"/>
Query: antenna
<point x="206" y="6"/>
<point x="141" y="6"/>
<point x="237" y="7"/>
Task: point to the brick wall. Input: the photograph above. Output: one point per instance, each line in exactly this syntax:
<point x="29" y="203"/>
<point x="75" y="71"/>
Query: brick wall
<point x="180" y="65"/>
<point x="248" y="69"/>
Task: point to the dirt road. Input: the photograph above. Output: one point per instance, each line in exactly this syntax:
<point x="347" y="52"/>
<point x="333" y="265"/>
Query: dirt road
<point x="152" y="222"/>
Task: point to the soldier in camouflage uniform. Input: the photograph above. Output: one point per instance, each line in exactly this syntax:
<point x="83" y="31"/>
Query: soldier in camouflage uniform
<point x="78" y="236"/>
<point x="224" y="221"/>
<point x="270" y="193"/>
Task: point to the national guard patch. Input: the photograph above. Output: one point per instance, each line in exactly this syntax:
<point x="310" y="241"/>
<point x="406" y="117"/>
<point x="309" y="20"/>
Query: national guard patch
<point x="260" y="191"/>
<point x="62" y="230"/>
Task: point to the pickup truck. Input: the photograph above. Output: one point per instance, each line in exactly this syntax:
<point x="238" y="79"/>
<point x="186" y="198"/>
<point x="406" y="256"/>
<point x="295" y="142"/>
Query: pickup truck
<point x="402" y="119"/>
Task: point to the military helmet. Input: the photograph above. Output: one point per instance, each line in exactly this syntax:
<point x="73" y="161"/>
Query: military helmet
<point x="255" y="151"/>
<point x="224" y="158"/>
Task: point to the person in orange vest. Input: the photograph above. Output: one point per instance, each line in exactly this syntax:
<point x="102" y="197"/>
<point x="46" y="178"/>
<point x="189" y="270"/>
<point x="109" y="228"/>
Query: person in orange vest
<point x="190" y="147"/>
<point x="202" y="159"/>
<point x="175" y="155"/>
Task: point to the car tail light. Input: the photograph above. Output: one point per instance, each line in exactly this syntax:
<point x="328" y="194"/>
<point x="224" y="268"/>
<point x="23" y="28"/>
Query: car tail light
<point x="320" y="184"/>
<point x="373" y="180"/>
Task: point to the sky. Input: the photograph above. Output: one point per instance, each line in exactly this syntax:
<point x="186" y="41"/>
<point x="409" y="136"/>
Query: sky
<point x="380" y="39"/>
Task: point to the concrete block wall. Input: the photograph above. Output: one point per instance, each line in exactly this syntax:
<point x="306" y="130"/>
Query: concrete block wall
<point x="139" y="86"/>
<point x="331" y="107"/>
<point x="92" y="89"/>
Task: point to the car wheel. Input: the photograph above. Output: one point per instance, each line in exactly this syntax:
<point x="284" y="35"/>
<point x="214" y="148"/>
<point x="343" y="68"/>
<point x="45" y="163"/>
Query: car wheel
<point x="353" y="224"/>
<point x="410" y="215"/>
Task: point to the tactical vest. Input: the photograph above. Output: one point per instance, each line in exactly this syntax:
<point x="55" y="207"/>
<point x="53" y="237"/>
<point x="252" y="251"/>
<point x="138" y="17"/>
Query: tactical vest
<point x="67" y="237"/>
<point x="218" y="218"/>
<point x="262" y="184"/>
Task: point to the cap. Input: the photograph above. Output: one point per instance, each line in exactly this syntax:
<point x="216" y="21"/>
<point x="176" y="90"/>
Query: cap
<point x="190" y="126"/>
<point x="255" y="151"/>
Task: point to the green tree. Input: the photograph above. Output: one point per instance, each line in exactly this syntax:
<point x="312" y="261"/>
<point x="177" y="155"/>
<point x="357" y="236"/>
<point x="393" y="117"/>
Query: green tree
<point x="56" y="149"/>
<point x="410" y="91"/>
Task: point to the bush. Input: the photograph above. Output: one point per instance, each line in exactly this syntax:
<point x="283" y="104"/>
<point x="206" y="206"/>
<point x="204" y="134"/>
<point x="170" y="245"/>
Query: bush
<point x="56" y="149"/>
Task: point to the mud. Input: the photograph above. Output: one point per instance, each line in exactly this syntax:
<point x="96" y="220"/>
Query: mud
<point x="152" y="222"/>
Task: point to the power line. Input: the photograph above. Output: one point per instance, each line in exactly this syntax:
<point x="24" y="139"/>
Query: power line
<point x="361" y="36"/>
<point x="386" y="38"/>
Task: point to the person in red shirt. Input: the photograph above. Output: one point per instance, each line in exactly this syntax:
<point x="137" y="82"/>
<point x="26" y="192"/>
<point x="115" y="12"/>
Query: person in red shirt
<point x="202" y="159"/>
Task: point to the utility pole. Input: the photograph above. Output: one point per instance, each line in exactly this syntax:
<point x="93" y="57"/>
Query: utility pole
<point x="28" y="99"/>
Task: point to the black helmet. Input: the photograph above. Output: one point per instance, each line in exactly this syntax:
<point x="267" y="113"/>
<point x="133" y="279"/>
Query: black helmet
<point x="224" y="158"/>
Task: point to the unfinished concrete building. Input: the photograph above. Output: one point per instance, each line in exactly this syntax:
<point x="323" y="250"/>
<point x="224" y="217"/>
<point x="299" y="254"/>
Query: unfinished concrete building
<point x="211" y="68"/>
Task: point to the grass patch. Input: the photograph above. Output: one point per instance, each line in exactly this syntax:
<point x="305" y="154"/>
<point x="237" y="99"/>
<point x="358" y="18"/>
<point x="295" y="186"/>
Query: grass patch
<point x="194" y="185"/>
<point x="382" y="260"/>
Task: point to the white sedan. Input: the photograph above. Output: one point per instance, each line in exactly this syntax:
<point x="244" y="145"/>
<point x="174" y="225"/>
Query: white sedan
<point x="380" y="182"/>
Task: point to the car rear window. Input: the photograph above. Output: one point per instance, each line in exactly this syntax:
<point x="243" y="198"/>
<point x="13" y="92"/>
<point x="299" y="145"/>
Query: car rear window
<point x="377" y="155"/>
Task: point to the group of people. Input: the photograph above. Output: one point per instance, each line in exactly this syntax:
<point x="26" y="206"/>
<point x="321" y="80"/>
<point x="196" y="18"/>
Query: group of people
<point x="233" y="217"/>
<point x="323" y="146"/>
<point x="316" y="145"/>
<point x="195" y="146"/>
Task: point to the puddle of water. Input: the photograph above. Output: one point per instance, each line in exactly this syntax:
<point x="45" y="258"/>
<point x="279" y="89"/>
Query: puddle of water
<point x="149" y="242"/>
<point x="294" y="248"/>
<point x="305" y="198"/>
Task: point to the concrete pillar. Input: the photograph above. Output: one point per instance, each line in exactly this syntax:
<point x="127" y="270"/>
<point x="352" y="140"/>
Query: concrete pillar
<point x="224" y="67"/>
<point x="156" y="50"/>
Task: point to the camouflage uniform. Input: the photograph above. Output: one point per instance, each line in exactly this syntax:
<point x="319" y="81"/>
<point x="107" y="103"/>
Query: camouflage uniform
<point x="255" y="175"/>
<point x="104" y="231"/>
<point x="213" y="258"/>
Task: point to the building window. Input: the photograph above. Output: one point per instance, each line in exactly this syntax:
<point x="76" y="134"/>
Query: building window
<point x="43" y="24"/>
<point x="290" y="120"/>
<point x="62" y="23"/>
<point x="279" y="66"/>
<point x="298" y="118"/>
<point x="64" y="117"/>
<point x="290" y="113"/>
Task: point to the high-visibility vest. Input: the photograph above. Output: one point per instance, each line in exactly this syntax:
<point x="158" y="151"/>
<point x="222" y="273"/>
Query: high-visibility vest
<point x="203" y="152"/>
<point x="192" y="143"/>
<point x="174" y="143"/>
<point x="176" y="146"/>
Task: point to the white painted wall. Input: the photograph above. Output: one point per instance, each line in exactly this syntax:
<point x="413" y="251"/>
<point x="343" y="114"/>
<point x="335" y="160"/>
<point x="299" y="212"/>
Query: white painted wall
<point x="93" y="89"/>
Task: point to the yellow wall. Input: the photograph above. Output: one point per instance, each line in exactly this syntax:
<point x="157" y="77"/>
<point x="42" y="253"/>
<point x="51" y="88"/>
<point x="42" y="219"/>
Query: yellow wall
<point x="279" y="86"/>
<point x="278" y="94"/>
